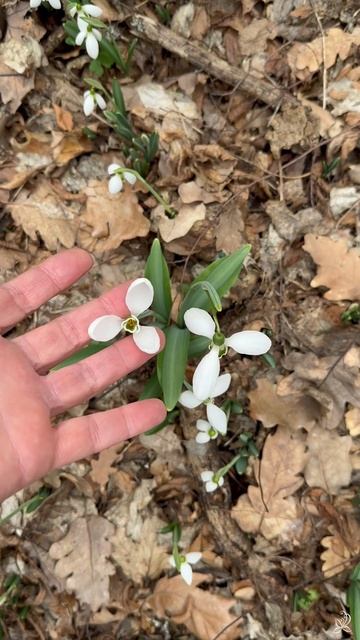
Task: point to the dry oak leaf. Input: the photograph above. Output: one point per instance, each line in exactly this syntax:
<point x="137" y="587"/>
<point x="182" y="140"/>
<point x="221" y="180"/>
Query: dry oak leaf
<point x="66" y="146"/>
<point x="177" y="227"/>
<point x="206" y="615"/>
<point x="43" y="212"/>
<point x="82" y="558"/>
<point x="330" y="381"/>
<point x="102" y="469"/>
<point x="111" y="218"/>
<point x="352" y="421"/>
<point x="305" y="58"/>
<point x="340" y="547"/>
<point x="329" y="464"/>
<point x="270" y="508"/>
<point x="294" y="125"/>
<point x="339" y="267"/>
<point x="9" y="258"/>
<point x="295" y="411"/>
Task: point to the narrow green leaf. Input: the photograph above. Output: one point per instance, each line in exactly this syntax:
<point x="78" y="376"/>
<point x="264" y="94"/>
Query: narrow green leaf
<point x="130" y="53"/>
<point x="168" y="420"/>
<point x="118" y="97"/>
<point x="152" y="388"/>
<point x="222" y="274"/>
<point x="156" y="270"/>
<point x="198" y="346"/>
<point x="174" y="363"/>
<point x="94" y="22"/>
<point x="92" y="82"/>
<point x="91" y="349"/>
<point x="353" y="601"/>
<point x="111" y="49"/>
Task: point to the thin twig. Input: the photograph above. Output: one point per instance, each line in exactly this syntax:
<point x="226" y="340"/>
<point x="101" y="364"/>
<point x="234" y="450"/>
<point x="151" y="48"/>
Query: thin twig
<point x="323" y="47"/>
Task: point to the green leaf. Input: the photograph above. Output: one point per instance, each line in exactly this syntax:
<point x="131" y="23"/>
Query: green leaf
<point x="168" y="420"/>
<point x="96" y="67"/>
<point x="198" y="346"/>
<point x="118" y="97"/>
<point x="152" y="388"/>
<point x="91" y="349"/>
<point x="130" y="53"/>
<point x="269" y="359"/>
<point x="156" y="270"/>
<point x="241" y="465"/>
<point x="111" y="49"/>
<point x="71" y="29"/>
<point x="222" y="274"/>
<point x="94" y="22"/>
<point x="174" y="360"/>
<point x="93" y="83"/>
<point x="353" y="601"/>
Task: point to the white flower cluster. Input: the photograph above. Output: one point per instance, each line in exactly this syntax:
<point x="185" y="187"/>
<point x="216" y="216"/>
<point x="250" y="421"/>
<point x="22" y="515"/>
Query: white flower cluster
<point x="207" y="384"/>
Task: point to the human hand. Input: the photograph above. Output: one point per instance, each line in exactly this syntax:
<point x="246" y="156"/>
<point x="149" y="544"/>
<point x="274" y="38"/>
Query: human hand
<point x="30" y="446"/>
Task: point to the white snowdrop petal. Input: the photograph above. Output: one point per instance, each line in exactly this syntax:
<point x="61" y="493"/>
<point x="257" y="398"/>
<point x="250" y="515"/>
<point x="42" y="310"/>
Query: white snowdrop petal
<point x="189" y="400"/>
<point x="139" y="296"/>
<point x="199" y="322"/>
<point x="92" y="46"/>
<point x="206" y="475"/>
<point x="97" y="34"/>
<point x="92" y="10"/>
<point x="115" y="184"/>
<point x="82" y="24"/>
<point x="205" y="374"/>
<point x="202" y="438"/>
<point x="56" y="4"/>
<point x="249" y="343"/>
<point x="100" y="101"/>
<point x="35" y="3"/>
<point x="113" y="167"/>
<point x="172" y="561"/>
<point x="80" y="38"/>
<point x="193" y="557"/>
<point x="186" y="572"/>
<point x="147" y="340"/>
<point x="221" y="385"/>
<point x="105" y="328"/>
<point x="129" y="177"/>
<point x="88" y="104"/>
<point x="202" y="425"/>
<point x="221" y="481"/>
<point x="211" y="486"/>
<point x="217" y="418"/>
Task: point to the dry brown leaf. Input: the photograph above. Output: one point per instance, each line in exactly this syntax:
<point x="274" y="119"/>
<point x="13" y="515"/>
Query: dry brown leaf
<point x="82" y="558"/>
<point x="294" y="125"/>
<point x="352" y="421"/>
<point x="331" y="381"/>
<point x="167" y="446"/>
<point x="64" y="118"/>
<point x="294" y="411"/>
<point x="111" y="218"/>
<point x="43" y="212"/>
<point x="172" y="228"/>
<point x="253" y="38"/>
<point x="102" y="469"/>
<point x="66" y="146"/>
<point x="340" y="547"/>
<point x="190" y="192"/>
<point x="339" y="267"/>
<point x="270" y="508"/>
<point x="138" y="548"/>
<point x="9" y="258"/>
<point x="206" y="615"/>
<point x="231" y="227"/>
<point x="305" y="58"/>
<point x="150" y="97"/>
<point x="329" y="463"/>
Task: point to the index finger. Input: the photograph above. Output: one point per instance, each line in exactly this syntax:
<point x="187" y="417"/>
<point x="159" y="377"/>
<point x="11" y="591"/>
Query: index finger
<point x="27" y="292"/>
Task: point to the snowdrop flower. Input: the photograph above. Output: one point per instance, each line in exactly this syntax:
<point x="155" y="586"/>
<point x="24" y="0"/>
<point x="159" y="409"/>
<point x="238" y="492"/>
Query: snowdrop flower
<point x="210" y="430"/>
<point x="212" y="482"/>
<point x="216" y="416"/>
<point x="84" y="10"/>
<point x="185" y="564"/>
<point x="117" y="172"/>
<point x="91" y="99"/>
<point x="251" y="343"/>
<point x="56" y="4"/>
<point x="138" y="299"/>
<point x="91" y="36"/>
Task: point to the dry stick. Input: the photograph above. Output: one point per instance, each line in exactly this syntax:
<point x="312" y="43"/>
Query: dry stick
<point x="198" y="55"/>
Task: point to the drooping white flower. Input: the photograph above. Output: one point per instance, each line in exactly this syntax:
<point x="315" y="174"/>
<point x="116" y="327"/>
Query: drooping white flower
<point x="91" y="36"/>
<point x="216" y="416"/>
<point x="55" y="4"/>
<point x="211" y="481"/>
<point x="210" y="430"/>
<point x="251" y="343"/>
<point x="87" y="10"/>
<point x="138" y="299"/>
<point x="91" y="99"/>
<point x="117" y="172"/>
<point x="185" y="564"/>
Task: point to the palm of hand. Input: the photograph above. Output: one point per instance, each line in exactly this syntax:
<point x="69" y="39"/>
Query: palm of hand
<point x="29" y="445"/>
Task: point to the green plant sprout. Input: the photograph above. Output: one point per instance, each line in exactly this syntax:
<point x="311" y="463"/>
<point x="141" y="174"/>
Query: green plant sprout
<point x="352" y="314"/>
<point x="29" y="506"/>
<point x="353" y="601"/>
<point x="304" y="600"/>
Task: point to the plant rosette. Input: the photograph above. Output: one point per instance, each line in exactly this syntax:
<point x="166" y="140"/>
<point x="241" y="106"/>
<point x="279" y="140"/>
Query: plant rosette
<point x="250" y="343"/>
<point x="138" y="299"/>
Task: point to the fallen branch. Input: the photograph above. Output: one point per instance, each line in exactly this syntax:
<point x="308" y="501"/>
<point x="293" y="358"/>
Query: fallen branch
<point x="198" y="55"/>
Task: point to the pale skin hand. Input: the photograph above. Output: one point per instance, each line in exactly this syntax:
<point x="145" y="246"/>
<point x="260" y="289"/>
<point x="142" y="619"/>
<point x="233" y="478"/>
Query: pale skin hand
<point x="30" y="446"/>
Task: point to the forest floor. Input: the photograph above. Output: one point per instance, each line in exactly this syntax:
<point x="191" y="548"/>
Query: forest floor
<point x="257" y="108"/>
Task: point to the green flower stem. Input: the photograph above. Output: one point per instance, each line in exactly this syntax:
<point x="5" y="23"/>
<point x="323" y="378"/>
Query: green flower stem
<point x="224" y="470"/>
<point x="171" y="213"/>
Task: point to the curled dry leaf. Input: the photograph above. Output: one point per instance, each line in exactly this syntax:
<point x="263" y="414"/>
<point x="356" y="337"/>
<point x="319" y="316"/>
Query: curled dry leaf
<point x="43" y="212"/>
<point x="305" y="58"/>
<point x="339" y="267"/>
<point x="295" y="411"/>
<point x="294" y="125"/>
<point x="340" y="547"/>
<point x="329" y="464"/>
<point x="270" y="508"/>
<point x="111" y="219"/>
<point x="206" y="615"/>
<point x="352" y="421"/>
<point x="172" y="228"/>
<point x="86" y="566"/>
